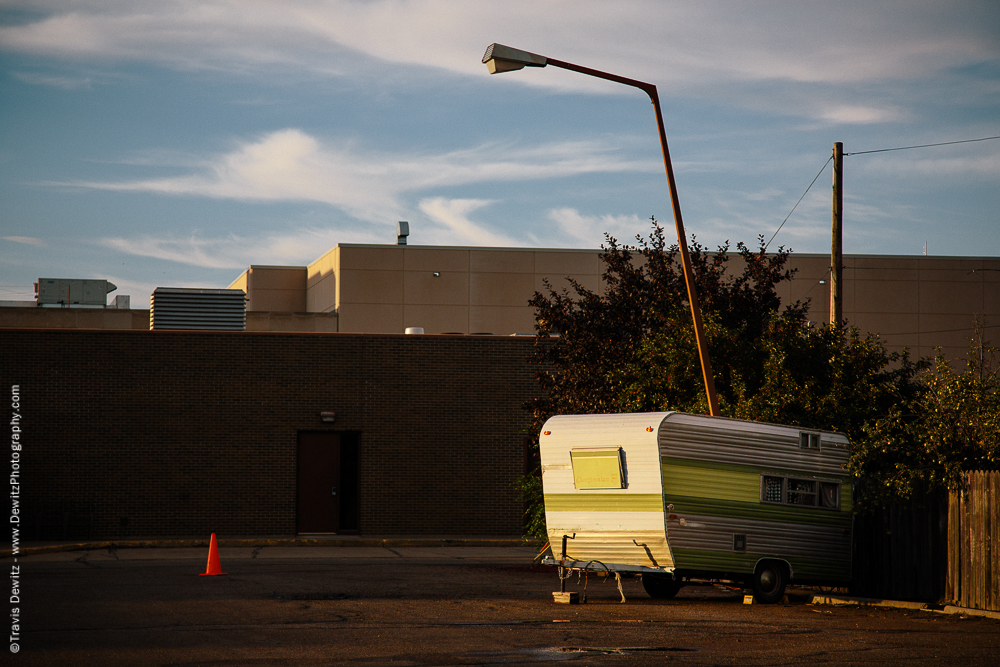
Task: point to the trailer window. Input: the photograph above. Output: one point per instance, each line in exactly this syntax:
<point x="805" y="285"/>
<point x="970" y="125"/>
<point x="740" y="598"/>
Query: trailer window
<point x="774" y="491"/>
<point x="809" y="440"/>
<point x="829" y="495"/>
<point x="597" y="468"/>
<point x="800" y="492"/>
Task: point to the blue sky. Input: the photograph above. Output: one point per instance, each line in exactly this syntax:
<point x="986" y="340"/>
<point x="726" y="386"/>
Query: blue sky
<point x="176" y="143"/>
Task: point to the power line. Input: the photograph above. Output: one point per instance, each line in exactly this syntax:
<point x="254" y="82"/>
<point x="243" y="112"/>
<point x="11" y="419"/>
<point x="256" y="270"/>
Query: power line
<point x="918" y="333"/>
<point x="798" y="202"/>
<point x="879" y="150"/>
<point x="906" y="148"/>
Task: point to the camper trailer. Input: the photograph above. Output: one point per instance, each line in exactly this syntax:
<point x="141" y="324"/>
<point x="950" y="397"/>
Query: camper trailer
<point x="676" y="497"/>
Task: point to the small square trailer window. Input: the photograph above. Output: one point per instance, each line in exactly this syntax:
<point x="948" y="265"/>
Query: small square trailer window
<point x="597" y="468"/>
<point x="809" y="440"/>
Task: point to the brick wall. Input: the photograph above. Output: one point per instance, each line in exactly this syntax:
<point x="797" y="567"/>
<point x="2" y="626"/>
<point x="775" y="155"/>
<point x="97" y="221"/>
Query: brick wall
<point x="143" y="434"/>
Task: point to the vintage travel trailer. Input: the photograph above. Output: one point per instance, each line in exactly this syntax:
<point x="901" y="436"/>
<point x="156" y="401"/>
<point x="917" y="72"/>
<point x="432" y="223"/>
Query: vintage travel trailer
<point x="675" y="497"/>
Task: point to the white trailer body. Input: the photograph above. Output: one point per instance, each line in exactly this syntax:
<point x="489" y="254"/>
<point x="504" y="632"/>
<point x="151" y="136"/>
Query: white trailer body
<point x="685" y="495"/>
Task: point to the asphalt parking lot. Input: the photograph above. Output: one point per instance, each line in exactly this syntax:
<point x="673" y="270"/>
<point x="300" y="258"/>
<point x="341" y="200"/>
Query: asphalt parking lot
<point x="411" y="606"/>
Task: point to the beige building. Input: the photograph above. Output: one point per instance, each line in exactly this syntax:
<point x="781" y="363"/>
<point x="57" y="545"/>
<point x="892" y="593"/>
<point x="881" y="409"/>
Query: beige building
<point x="918" y="302"/>
<point x="380" y="288"/>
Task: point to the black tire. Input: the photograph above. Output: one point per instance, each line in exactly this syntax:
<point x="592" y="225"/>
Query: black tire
<point x="660" y="586"/>
<point x="769" y="581"/>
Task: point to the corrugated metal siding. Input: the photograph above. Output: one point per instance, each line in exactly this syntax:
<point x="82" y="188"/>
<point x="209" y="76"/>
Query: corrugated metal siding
<point x="684" y="505"/>
<point x="742" y="443"/>
<point x="586" y="501"/>
<point x="721" y="484"/>
<point x="632" y="547"/>
<point x="812" y="551"/>
<point x="173" y="308"/>
<point x="711" y="474"/>
<point x="608" y="536"/>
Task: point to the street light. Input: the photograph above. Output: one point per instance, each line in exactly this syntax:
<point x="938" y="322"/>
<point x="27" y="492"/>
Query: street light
<point x="500" y="58"/>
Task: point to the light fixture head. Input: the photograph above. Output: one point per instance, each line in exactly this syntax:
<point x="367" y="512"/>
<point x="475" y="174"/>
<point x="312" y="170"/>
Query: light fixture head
<point x="500" y="58"/>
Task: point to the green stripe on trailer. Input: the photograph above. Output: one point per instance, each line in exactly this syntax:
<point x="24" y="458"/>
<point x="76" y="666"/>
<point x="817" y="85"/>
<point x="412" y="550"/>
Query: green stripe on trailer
<point x="724" y="484"/>
<point x="744" y="563"/>
<point x="714" y="465"/>
<point x="685" y="477"/>
<point x="603" y="502"/>
<point x="687" y="505"/>
<point x="735" y="467"/>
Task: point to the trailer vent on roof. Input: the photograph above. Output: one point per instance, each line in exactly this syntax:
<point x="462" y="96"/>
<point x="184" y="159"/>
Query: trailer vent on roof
<point x="211" y="309"/>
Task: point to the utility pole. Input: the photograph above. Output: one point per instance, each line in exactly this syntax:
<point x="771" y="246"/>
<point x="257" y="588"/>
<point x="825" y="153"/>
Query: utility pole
<point x="837" y="252"/>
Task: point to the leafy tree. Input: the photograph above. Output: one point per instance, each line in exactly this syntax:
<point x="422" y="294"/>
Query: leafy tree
<point x="950" y="425"/>
<point x="631" y="348"/>
<point x="644" y="296"/>
<point x="592" y="347"/>
<point x="825" y="377"/>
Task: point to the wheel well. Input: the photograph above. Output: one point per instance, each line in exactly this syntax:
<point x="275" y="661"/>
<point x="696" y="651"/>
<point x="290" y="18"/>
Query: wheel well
<point x="784" y="564"/>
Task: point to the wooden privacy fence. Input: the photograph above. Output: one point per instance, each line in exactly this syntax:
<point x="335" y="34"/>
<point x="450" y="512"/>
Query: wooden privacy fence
<point x="974" y="542"/>
<point x="900" y="549"/>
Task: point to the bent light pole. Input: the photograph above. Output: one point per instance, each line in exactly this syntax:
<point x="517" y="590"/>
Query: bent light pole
<point x="500" y="58"/>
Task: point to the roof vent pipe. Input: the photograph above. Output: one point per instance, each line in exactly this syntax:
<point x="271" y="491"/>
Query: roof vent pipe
<point x="402" y="231"/>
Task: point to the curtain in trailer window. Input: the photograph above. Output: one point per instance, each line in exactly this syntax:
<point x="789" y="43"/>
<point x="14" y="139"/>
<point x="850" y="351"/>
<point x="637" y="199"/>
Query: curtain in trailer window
<point x="829" y="495"/>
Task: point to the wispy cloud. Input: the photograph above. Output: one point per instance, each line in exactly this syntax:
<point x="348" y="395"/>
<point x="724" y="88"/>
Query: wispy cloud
<point x="55" y="81"/>
<point x="293" y="246"/>
<point x="453" y="214"/>
<point x="919" y="164"/>
<point x="590" y="229"/>
<point x="861" y="115"/>
<point x="760" y="41"/>
<point x="27" y="240"/>
<point x="290" y="165"/>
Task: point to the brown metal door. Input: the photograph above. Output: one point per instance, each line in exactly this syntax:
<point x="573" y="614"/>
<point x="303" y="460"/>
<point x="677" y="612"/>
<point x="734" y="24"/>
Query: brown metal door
<point x="319" y="482"/>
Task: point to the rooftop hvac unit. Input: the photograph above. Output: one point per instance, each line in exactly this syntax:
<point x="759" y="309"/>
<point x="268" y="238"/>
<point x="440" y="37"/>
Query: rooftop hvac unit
<point x="202" y="309"/>
<point x="69" y="291"/>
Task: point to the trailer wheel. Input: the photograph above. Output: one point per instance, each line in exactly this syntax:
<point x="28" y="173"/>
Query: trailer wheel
<point x="769" y="582"/>
<point x="661" y="587"/>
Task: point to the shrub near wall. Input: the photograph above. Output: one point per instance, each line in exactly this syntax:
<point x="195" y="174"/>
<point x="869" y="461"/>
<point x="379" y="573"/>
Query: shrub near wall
<point x="131" y="434"/>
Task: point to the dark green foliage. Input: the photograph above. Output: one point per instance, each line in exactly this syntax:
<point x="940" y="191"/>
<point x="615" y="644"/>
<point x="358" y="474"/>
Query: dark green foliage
<point x="951" y="425"/>
<point x="631" y="348"/>
<point x="792" y="373"/>
<point x="594" y="363"/>
<point x="529" y="489"/>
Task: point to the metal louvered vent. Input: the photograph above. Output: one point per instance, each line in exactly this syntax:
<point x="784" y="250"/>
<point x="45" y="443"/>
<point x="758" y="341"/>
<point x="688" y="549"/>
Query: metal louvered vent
<point x="205" y="309"/>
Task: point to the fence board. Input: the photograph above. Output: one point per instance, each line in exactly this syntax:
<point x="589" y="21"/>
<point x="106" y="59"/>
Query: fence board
<point x="953" y="589"/>
<point x="974" y="542"/>
<point x="993" y="547"/>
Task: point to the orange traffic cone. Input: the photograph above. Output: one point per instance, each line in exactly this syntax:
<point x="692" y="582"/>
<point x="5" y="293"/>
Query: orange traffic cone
<point x="213" y="567"/>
